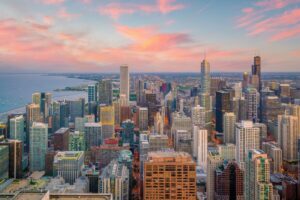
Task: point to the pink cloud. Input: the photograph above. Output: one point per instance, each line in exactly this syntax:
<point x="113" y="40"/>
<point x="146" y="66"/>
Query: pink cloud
<point x="115" y="10"/>
<point x="53" y="1"/>
<point x="148" y="49"/>
<point x="63" y="14"/>
<point x="261" y="19"/>
<point x="166" y="6"/>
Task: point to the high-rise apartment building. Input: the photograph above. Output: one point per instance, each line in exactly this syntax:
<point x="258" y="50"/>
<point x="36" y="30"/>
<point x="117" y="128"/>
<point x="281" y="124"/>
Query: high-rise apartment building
<point x="61" y="139"/>
<point x="200" y="146"/>
<point x="105" y="92"/>
<point x="38" y="140"/>
<point x="68" y="165"/>
<point x="247" y="137"/>
<point x="273" y="150"/>
<point x="169" y="175"/>
<point x="229" y="120"/>
<point x="214" y="160"/>
<point x="257" y="176"/>
<point x="288" y="135"/>
<point x="222" y="106"/>
<point x="198" y="116"/>
<point x="93" y="134"/>
<point x="115" y="179"/>
<point x="124" y="82"/>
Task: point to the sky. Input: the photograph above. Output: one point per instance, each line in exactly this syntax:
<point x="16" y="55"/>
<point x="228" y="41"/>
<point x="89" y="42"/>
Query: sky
<point x="148" y="35"/>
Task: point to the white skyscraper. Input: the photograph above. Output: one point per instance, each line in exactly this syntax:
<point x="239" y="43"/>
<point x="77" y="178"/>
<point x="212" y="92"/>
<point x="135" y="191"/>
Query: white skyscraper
<point x="229" y="120"/>
<point x="124" y="82"/>
<point x="288" y="135"/>
<point x="198" y="116"/>
<point x="200" y="146"/>
<point x="247" y="137"/>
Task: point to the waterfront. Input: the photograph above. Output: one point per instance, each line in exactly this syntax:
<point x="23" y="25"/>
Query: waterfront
<point x="16" y="89"/>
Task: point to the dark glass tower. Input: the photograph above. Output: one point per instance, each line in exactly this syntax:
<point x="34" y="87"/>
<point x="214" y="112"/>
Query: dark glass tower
<point x="222" y="106"/>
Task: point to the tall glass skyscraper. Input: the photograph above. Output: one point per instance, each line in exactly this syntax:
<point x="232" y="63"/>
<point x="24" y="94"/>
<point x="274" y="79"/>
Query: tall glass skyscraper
<point x="124" y="82"/>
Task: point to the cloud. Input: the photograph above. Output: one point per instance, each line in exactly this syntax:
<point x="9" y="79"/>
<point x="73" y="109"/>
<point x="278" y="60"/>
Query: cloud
<point x="116" y="10"/>
<point x="53" y="1"/>
<point x="261" y="19"/>
<point x="63" y="14"/>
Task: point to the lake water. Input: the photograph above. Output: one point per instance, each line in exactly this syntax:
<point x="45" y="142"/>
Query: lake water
<point x="16" y="89"/>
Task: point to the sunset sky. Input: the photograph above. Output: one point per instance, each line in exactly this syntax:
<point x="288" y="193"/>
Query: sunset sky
<point x="148" y="35"/>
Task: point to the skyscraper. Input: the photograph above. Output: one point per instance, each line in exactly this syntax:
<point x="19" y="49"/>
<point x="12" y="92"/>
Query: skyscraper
<point x="105" y="92"/>
<point x="205" y="77"/>
<point x="229" y="181"/>
<point x="38" y="140"/>
<point x="247" y="137"/>
<point x="107" y="119"/>
<point x="252" y="101"/>
<point x="68" y="165"/>
<point x="288" y="135"/>
<point x="273" y="150"/>
<point x="222" y="106"/>
<point x="214" y="160"/>
<point x="76" y="108"/>
<point x="198" y="116"/>
<point x="115" y="179"/>
<point x="143" y="118"/>
<point x="124" y="82"/>
<point x="179" y="171"/>
<point x="92" y="93"/>
<point x="200" y="146"/>
<point x="256" y="70"/>
<point x="16" y="126"/>
<point x="229" y="120"/>
<point x="93" y="134"/>
<point x="257" y="176"/>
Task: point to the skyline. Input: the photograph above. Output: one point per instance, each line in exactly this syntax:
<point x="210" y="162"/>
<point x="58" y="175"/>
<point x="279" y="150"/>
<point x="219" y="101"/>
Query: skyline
<point x="47" y="36"/>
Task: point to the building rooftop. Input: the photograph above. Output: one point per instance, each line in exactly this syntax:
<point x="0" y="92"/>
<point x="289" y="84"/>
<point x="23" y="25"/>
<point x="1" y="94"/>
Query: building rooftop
<point x="169" y="155"/>
<point x="61" y="130"/>
<point x="68" y="155"/>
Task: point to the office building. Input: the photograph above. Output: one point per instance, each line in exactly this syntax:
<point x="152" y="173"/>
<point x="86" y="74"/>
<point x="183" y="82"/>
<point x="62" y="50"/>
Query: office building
<point x="214" y="160"/>
<point x="77" y="141"/>
<point x="92" y="93"/>
<point x="205" y="77"/>
<point x="229" y="181"/>
<point x="200" y="146"/>
<point x="288" y="135"/>
<point x="4" y="161"/>
<point x="105" y="92"/>
<point x="76" y="108"/>
<point x="247" y="137"/>
<point x="16" y="128"/>
<point x="15" y="157"/>
<point x="61" y="139"/>
<point x="124" y="83"/>
<point x="198" y="116"/>
<point x="227" y="151"/>
<point x="178" y="181"/>
<point x="222" y="106"/>
<point x="115" y="179"/>
<point x="68" y="165"/>
<point x="93" y="134"/>
<point x="229" y="120"/>
<point x="257" y="176"/>
<point x="182" y="141"/>
<point x="252" y="102"/>
<point x="143" y="118"/>
<point x="274" y="152"/>
<point x="107" y="119"/>
<point x="256" y="70"/>
<point x="38" y="140"/>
